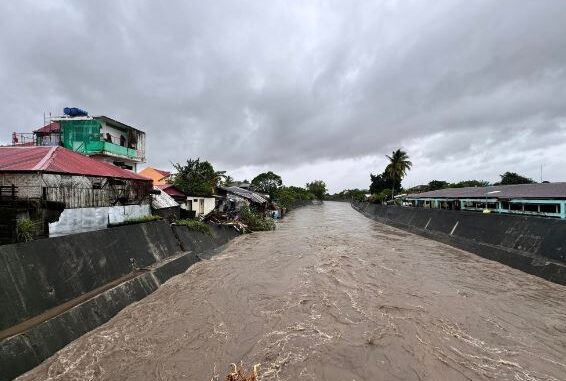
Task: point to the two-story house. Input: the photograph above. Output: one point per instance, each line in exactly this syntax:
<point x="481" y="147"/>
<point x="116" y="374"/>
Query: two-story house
<point x="99" y="137"/>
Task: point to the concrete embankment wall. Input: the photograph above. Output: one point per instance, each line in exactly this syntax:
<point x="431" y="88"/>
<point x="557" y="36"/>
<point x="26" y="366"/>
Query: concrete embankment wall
<point x="38" y="275"/>
<point x="531" y="244"/>
<point x="204" y="243"/>
<point x="42" y="276"/>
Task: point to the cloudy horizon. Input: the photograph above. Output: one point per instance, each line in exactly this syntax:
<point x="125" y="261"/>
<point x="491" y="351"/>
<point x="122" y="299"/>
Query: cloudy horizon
<point x="309" y="90"/>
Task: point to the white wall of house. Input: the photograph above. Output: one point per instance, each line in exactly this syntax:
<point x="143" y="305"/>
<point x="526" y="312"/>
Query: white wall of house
<point x="115" y="132"/>
<point x="117" y="214"/>
<point x="79" y="220"/>
<point x="201" y="205"/>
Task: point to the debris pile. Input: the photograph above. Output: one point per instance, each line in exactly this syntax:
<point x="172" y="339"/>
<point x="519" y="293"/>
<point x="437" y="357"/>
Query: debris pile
<point x="238" y="373"/>
<point x="244" y="220"/>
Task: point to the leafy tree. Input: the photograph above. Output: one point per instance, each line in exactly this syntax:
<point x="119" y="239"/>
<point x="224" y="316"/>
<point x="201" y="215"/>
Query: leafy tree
<point x="218" y="179"/>
<point x="267" y="182"/>
<point x="317" y="188"/>
<point x="509" y="178"/>
<point x="286" y="197"/>
<point x="196" y="178"/>
<point x="418" y="189"/>
<point x="349" y="195"/>
<point x="227" y="180"/>
<point x="470" y="183"/>
<point x="381" y="196"/>
<point x="397" y="168"/>
<point x="255" y="221"/>
<point x="437" y="184"/>
<point x="381" y="182"/>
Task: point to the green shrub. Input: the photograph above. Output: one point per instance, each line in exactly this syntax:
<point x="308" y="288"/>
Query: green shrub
<point x="136" y="220"/>
<point x="25" y="229"/>
<point x="195" y="225"/>
<point x="287" y="197"/>
<point x="254" y="221"/>
<point x="381" y="197"/>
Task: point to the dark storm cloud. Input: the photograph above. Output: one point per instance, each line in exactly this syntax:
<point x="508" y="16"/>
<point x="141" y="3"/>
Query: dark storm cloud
<point x="281" y="83"/>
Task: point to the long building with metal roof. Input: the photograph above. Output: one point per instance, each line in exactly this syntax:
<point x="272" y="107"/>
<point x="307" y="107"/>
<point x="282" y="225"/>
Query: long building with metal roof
<point x="544" y="199"/>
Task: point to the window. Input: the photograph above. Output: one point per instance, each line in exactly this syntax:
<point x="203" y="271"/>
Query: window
<point x="516" y="207"/>
<point x="550" y="208"/>
<point x="531" y="208"/>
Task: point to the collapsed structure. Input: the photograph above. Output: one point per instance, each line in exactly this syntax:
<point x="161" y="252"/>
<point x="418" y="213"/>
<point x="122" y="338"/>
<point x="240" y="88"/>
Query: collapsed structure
<point x="235" y="197"/>
<point x="543" y="199"/>
<point x="228" y="198"/>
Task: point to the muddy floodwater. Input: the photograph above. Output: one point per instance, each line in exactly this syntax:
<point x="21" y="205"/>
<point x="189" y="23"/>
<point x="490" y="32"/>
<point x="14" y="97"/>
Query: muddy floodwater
<point x="332" y="295"/>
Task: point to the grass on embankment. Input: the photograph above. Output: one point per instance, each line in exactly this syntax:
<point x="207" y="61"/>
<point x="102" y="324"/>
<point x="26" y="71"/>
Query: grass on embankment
<point x="195" y="225"/>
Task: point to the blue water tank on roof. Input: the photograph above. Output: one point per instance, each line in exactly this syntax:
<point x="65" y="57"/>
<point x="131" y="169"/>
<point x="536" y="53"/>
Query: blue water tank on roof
<point x="74" y="111"/>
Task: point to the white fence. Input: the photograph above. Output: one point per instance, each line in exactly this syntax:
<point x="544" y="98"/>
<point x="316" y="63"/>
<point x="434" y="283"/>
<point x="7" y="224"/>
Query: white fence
<point x="79" y="220"/>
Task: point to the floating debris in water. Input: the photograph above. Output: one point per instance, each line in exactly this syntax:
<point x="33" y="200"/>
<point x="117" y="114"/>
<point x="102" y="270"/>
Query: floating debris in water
<point x="238" y="373"/>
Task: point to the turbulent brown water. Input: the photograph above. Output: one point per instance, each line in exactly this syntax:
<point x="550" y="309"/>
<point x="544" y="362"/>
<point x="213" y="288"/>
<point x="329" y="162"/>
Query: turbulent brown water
<point x="332" y="295"/>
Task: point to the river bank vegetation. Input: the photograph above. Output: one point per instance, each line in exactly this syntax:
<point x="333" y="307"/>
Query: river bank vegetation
<point x="254" y="221"/>
<point x="200" y="178"/>
<point x="286" y="196"/>
<point x="194" y="225"/>
<point x="197" y="178"/>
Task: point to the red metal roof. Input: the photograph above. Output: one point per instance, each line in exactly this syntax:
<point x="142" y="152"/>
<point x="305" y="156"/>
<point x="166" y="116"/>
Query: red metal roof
<point x="51" y="127"/>
<point x="170" y="190"/>
<point x="163" y="173"/>
<point x="58" y="160"/>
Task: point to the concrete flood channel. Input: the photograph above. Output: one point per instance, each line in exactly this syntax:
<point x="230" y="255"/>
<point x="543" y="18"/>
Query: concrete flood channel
<point x="532" y="244"/>
<point x="54" y="290"/>
<point x="331" y="295"/>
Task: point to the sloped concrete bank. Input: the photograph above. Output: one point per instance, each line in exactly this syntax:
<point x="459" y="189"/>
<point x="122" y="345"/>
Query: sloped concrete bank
<point x="42" y="274"/>
<point x="531" y="244"/>
<point x="40" y="282"/>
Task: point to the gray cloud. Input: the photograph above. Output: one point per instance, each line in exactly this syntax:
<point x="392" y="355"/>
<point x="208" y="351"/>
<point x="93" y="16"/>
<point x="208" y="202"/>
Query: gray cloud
<point x="288" y="84"/>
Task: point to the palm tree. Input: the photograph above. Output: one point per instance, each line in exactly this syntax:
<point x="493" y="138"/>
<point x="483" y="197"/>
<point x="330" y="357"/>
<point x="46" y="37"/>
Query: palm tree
<point x="217" y="179"/>
<point x="397" y="168"/>
<point x="227" y="181"/>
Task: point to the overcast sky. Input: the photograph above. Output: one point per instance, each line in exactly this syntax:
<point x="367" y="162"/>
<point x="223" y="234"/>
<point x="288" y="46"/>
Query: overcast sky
<point x="308" y="89"/>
